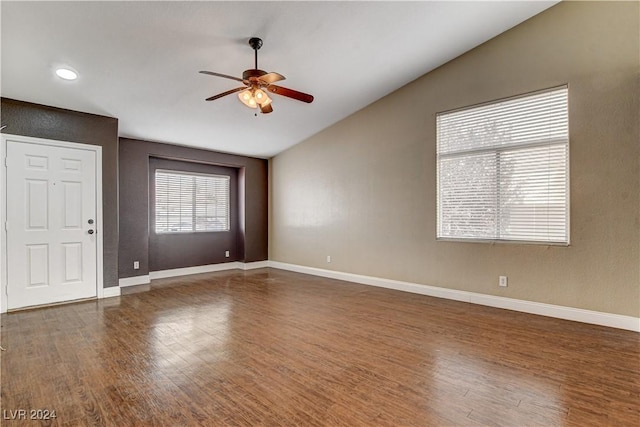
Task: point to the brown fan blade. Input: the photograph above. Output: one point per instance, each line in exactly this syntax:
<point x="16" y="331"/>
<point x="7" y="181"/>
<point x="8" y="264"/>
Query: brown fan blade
<point x="266" y="109"/>
<point x="229" y="92"/>
<point x="290" y="93"/>
<point x="211" y="73"/>
<point x="271" y="78"/>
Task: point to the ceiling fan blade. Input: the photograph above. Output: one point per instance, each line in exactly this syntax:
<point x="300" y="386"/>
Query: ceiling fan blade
<point x="290" y="93"/>
<point x="266" y="109"/>
<point x="271" y="78"/>
<point x="211" y="73"/>
<point x="229" y="92"/>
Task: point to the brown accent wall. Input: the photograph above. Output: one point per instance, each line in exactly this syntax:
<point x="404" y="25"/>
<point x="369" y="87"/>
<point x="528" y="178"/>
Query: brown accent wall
<point x="134" y="157"/>
<point x="177" y="250"/>
<point x="41" y="121"/>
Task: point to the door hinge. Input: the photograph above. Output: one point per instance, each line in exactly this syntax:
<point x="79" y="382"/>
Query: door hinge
<point x="6" y="226"/>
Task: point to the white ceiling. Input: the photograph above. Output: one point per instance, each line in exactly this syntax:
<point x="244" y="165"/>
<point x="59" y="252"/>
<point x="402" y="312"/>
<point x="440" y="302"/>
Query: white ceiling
<point x="139" y="61"/>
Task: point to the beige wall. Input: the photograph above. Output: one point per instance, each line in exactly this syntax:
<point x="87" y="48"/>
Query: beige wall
<point x="364" y="190"/>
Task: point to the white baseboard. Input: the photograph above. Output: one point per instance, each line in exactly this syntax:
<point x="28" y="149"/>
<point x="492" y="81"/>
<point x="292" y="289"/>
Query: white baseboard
<point x="207" y="269"/>
<point x="133" y="281"/>
<point x="175" y="272"/>
<point x="253" y="265"/>
<point x="113" y="291"/>
<point x="561" y="312"/>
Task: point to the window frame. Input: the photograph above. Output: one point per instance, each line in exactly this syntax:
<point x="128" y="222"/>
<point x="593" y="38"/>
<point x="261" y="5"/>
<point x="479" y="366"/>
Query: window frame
<point x="227" y="178"/>
<point x="498" y="151"/>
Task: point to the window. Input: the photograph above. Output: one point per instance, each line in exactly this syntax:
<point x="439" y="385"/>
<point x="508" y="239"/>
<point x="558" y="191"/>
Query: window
<point x="503" y="170"/>
<point x="191" y="202"/>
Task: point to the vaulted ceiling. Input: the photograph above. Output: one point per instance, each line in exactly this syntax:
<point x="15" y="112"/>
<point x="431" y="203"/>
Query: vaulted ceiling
<point x="139" y="61"/>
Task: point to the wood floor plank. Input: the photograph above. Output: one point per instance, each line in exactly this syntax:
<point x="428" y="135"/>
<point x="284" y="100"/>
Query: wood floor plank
<point x="275" y="348"/>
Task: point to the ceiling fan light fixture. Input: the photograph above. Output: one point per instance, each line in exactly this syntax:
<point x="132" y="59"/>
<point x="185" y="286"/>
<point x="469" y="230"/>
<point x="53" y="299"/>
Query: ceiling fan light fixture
<point x="259" y="95"/>
<point x="265" y="101"/>
<point x="246" y="97"/>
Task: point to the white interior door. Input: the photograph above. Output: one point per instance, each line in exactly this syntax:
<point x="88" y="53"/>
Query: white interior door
<point x="51" y="224"/>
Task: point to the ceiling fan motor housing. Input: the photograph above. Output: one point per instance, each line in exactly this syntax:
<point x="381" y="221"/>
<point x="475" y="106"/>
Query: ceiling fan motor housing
<point x="247" y="74"/>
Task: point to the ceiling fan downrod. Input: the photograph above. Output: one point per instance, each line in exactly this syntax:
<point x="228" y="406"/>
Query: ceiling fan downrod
<point x="255" y="43"/>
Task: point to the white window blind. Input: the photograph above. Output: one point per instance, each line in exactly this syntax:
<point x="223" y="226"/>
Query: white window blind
<point x="190" y="202"/>
<point x="503" y="170"/>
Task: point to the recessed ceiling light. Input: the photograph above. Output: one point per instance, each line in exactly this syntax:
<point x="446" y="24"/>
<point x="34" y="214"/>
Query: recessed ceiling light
<point x="66" y="73"/>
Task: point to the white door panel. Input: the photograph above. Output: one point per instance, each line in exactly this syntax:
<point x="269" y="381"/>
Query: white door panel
<point x="51" y="196"/>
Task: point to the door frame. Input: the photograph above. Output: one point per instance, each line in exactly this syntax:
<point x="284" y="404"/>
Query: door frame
<point x="3" y="208"/>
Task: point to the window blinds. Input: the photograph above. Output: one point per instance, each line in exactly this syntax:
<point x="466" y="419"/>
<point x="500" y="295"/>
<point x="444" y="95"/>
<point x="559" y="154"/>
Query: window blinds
<point x="503" y="171"/>
<point x="188" y="202"/>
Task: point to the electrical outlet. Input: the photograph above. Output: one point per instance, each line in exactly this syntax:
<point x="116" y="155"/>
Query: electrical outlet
<point x="328" y="258"/>
<point x="136" y="265"/>
<point x="226" y="253"/>
<point x="502" y="281"/>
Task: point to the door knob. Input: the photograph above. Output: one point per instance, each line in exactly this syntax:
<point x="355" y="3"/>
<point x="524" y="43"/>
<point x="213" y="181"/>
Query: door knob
<point x="90" y="231"/>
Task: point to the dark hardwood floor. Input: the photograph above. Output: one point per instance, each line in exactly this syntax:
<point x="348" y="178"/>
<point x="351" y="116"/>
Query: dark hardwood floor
<point x="268" y="347"/>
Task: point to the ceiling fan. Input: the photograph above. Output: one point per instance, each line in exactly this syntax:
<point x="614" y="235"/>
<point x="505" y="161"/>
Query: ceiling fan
<point x="256" y="82"/>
